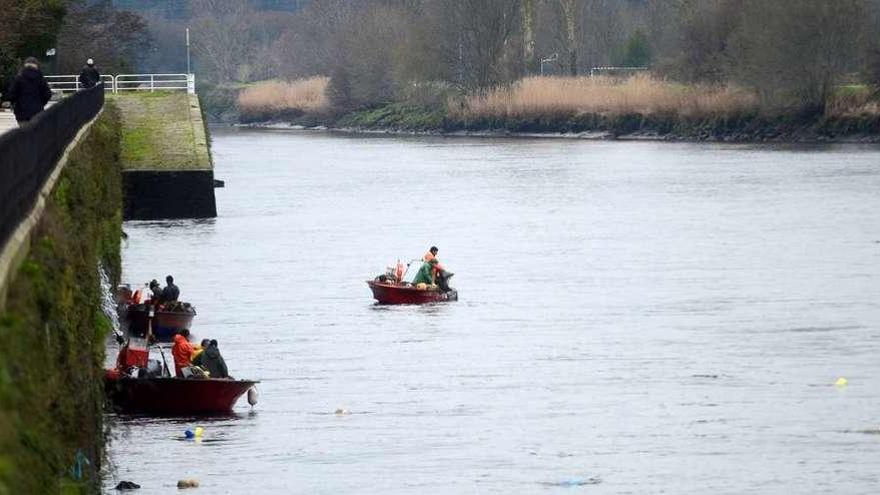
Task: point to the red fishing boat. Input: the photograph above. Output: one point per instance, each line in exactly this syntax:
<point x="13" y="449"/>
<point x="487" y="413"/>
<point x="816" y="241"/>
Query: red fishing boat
<point x="390" y="292"/>
<point x="175" y="396"/>
<point x="168" y="319"/>
<point x="141" y="385"/>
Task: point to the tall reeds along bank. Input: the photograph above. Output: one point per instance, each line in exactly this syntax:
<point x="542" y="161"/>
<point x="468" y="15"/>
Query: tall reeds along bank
<point x="280" y="100"/>
<point x="556" y="100"/>
<point x="647" y="105"/>
<point x="53" y="332"/>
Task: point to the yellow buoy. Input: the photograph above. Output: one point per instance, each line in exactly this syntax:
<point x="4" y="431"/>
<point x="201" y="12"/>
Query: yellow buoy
<point x="199" y="431"/>
<point x="841" y="382"/>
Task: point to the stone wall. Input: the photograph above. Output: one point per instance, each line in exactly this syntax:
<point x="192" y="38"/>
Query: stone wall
<point x="52" y="329"/>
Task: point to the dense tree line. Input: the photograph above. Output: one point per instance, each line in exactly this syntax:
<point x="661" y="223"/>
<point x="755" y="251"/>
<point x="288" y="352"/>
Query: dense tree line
<point x="793" y="53"/>
<point x="62" y="34"/>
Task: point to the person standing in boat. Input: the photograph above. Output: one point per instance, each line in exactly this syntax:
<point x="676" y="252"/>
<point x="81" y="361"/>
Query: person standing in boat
<point x="155" y="291"/>
<point x="182" y="351"/>
<point x="170" y="292"/>
<point x="211" y="361"/>
<point x="430" y="255"/>
<point x="431" y="258"/>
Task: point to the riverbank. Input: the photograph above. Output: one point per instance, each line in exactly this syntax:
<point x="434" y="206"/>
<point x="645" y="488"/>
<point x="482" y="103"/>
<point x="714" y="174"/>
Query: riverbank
<point x="593" y="108"/>
<point x="52" y="331"/>
<point x="165" y="157"/>
<point x="403" y="119"/>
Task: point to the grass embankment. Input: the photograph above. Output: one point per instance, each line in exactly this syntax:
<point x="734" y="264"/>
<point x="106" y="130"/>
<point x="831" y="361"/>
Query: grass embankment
<point x="52" y="333"/>
<point x="638" y="106"/>
<point x="161" y="131"/>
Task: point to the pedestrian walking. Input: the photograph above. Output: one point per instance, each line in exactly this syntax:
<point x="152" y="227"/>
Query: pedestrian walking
<point x="89" y="76"/>
<point x="29" y="92"/>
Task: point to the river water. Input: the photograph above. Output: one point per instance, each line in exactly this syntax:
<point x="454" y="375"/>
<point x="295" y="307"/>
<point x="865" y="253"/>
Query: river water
<point x="635" y="317"/>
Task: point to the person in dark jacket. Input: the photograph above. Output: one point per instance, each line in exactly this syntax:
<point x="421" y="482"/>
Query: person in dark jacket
<point x="89" y="76"/>
<point x="155" y="291"/>
<point x="211" y="361"/>
<point x="170" y="292"/>
<point x="29" y="92"/>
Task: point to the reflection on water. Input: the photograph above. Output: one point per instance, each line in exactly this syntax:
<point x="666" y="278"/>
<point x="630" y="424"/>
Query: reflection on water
<point x="634" y="317"/>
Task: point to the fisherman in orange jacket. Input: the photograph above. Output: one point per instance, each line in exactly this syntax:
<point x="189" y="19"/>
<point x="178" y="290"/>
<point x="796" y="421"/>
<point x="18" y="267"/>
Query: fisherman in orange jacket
<point x="182" y="351"/>
<point x="430" y="256"/>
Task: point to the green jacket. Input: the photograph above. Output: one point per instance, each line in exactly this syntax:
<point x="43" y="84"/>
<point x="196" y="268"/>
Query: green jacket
<point x="424" y="275"/>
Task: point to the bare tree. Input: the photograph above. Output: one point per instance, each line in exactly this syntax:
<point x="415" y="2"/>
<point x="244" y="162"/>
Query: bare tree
<point x="528" y="23"/>
<point x="570" y="18"/>
<point x="478" y="38"/>
<point x="221" y="39"/>
<point x="117" y="40"/>
<point x="794" y="53"/>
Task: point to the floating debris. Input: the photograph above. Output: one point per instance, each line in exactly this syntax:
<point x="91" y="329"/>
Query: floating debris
<point x="342" y="412"/>
<point x="188" y="484"/>
<point x="127" y="485"/>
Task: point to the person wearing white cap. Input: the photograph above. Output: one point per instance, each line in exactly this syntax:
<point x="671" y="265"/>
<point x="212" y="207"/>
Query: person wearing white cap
<point x="89" y="75"/>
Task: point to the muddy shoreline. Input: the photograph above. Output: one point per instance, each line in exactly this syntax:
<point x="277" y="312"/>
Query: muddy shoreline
<point x="792" y="136"/>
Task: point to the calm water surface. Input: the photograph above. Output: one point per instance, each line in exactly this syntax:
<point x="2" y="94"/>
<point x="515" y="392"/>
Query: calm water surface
<point x="634" y="318"/>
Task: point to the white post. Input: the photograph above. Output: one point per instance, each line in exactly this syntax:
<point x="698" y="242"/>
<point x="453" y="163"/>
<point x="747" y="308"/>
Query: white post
<point x="187" y="51"/>
<point x="151" y="83"/>
<point x="191" y="84"/>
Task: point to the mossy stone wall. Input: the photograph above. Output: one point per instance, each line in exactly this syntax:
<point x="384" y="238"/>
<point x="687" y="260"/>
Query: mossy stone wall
<point x="53" y="332"/>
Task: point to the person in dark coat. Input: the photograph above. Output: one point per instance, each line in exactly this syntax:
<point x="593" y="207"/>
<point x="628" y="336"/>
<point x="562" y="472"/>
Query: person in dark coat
<point x="211" y="361"/>
<point x="170" y="292"/>
<point x="89" y="76"/>
<point x="29" y="92"/>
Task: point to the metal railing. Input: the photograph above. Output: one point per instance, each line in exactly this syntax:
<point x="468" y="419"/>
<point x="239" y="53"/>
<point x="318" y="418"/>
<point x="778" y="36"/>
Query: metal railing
<point x="28" y="154"/>
<point x="155" y="82"/>
<point x="70" y="83"/>
<point x="128" y="82"/>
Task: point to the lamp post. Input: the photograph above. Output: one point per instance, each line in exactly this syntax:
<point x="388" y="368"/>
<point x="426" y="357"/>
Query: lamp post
<point x="50" y="53"/>
<point x="187" y="51"/>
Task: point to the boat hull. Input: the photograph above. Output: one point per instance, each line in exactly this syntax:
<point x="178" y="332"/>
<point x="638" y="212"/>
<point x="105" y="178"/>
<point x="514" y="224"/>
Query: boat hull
<point x="390" y="293"/>
<point x="174" y="396"/>
<point x="165" y="325"/>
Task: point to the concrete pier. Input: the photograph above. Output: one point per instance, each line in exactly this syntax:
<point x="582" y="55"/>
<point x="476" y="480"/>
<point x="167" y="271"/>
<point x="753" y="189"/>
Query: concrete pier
<point x="166" y="164"/>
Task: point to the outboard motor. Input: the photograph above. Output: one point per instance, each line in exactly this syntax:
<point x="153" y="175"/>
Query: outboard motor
<point x="443" y="280"/>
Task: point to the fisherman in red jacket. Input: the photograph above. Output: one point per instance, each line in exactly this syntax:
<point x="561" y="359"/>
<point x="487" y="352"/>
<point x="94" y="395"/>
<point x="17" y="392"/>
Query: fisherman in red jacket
<point x="182" y="351"/>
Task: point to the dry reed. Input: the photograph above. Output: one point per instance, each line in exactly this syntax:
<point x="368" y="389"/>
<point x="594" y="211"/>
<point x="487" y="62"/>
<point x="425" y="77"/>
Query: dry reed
<point x="305" y="95"/>
<point x="642" y="94"/>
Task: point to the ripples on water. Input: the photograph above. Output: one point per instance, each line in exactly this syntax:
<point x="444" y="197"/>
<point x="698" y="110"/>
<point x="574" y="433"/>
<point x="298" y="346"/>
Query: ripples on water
<point x="634" y="318"/>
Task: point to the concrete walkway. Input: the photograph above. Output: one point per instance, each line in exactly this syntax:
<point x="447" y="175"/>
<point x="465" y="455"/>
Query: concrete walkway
<point x="7" y="120"/>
